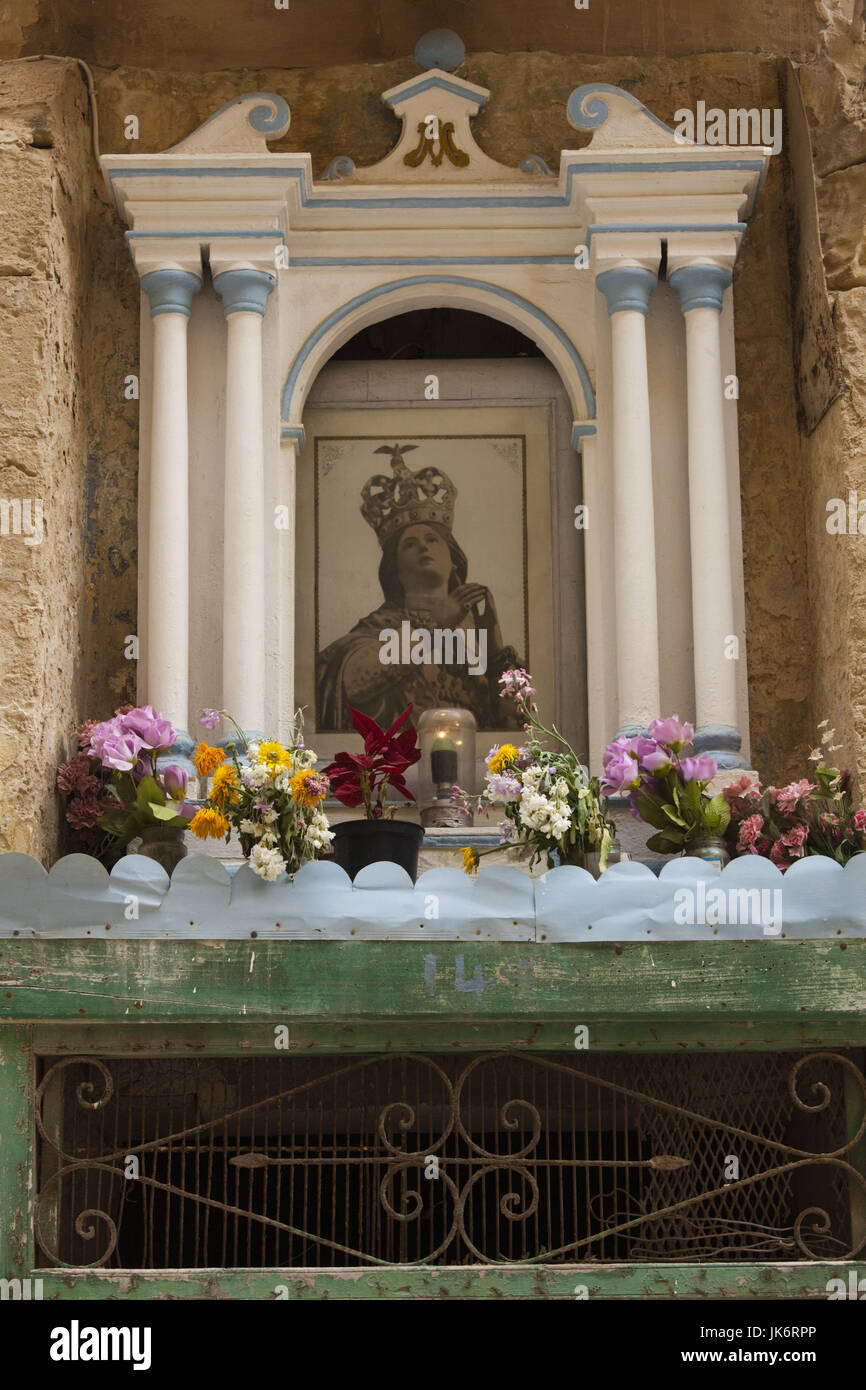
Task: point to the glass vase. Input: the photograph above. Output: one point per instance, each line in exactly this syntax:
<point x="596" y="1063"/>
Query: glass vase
<point x="710" y="848"/>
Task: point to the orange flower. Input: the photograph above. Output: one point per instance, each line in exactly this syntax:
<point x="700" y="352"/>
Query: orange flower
<point x="224" y="787"/>
<point x="207" y="759"/>
<point x="209" y="824"/>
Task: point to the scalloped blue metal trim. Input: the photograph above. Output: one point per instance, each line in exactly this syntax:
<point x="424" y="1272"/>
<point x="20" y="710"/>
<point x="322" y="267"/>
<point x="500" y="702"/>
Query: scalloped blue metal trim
<point x="816" y="899"/>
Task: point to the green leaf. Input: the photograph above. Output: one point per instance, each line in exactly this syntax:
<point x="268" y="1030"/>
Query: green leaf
<point x="164" y="813"/>
<point x="672" y="815"/>
<point x="717" y="814"/>
<point x="148" y="791"/>
<point x="663" y="844"/>
<point x="650" y="811"/>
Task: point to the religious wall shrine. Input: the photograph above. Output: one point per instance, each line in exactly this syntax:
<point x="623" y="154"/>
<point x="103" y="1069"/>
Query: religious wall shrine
<point x="433" y="805"/>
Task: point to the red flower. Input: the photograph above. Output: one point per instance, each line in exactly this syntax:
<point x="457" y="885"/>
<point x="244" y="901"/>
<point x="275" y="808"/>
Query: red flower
<point x="362" y="778"/>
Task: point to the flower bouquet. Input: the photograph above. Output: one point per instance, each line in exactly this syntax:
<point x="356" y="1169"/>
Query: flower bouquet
<point x="805" y="818"/>
<point x="363" y="779"/>
<point x="553" y="807"/>
<point x="114" y="783"/>
<point x="665" y="788"/>
<point x="270" y="794"/>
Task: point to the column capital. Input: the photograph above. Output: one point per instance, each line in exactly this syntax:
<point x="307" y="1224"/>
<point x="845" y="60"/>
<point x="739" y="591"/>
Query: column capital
<point x="627" y="287"/>
<point x="170" y="290"/>
<point x="701" y="285"/>
<point x="244" y="291"/>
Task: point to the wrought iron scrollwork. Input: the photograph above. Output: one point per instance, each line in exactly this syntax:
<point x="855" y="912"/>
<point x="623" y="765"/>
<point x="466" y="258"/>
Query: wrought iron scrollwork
<point x="462" y="1155"/>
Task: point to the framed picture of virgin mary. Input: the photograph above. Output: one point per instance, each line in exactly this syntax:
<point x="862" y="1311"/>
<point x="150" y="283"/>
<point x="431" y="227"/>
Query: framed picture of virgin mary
<point x="430" y="571"/>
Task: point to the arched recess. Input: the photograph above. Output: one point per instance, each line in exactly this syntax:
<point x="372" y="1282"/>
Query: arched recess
<point x="569" y="399"/>
<point x="427" y="291"/>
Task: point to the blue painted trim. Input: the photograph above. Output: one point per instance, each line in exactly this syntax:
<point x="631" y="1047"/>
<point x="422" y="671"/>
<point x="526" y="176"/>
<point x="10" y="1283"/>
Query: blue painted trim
<point x="520" y="200"/>
<point x="244" y="291"/>
<point x="665" y="166"/>
<point x="369" y="295"/>
<point x="170" y="291"/>
<point x="340" y="167"/>
<point x="601" y="227"/>
<point x="627" y="287"/>
<point x="700" y="286"/>
<point x="440" y="48"/>
<point x="431" y="260"/>
<point x="581" y="431"/>
<point x="534" y="164"/>
<point x="205" y="235"/>
<point x="296" y="432"/>
<point x="426" y="84"/>
<point x="258" y="116"/>
<point x="581" y="117"/>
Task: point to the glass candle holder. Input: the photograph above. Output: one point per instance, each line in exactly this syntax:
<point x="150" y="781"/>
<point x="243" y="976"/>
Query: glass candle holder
<point x="446" y="738"/>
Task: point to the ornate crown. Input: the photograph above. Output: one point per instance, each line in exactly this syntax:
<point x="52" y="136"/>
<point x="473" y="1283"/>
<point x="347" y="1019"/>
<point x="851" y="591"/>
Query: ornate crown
<point x="389" y="504"/>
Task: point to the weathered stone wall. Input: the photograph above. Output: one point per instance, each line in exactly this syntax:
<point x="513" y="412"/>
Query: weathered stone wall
<point x="46" y="173"/>
<point x="69" y="303"/>
<point x="834" y="453"/>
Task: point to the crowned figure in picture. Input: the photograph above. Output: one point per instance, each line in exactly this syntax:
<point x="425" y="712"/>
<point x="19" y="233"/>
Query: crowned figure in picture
<point x="435" y="640"/>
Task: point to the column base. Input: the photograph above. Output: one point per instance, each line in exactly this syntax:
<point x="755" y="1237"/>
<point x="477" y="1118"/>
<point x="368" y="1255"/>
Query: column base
<point x="722" y="742"/>
<point x="630" y="730"/>
<point x="179" y="755"/>
<point x="251" y="736"/>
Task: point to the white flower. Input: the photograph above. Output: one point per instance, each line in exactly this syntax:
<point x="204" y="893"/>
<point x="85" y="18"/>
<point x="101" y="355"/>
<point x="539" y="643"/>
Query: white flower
<point x="250" y="827"/>
<point x="318" y="833"/>
<point x="281" y="781"/>
<point x="267" y="837"/>
<point x="267" y="863"/>
<point x="257" y="777"/>
<point x="269" y="816"/>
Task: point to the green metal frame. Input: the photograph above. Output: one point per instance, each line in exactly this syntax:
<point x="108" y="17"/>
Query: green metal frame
<point x="155" y="998"/>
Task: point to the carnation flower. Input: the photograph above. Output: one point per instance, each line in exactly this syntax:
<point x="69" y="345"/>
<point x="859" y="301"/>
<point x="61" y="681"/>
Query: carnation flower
<point x="749" y="832"/>
<point x="83" y="812"/>
<point x="787" y="797"/>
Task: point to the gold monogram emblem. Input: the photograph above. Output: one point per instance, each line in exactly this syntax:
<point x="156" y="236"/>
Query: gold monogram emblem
<point x="437" y="146"/>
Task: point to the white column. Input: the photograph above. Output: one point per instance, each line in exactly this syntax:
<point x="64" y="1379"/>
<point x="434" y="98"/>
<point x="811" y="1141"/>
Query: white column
<point x="627" y="290"/>
<point x="701" y="287"/>
<point x="244" y="293"/>
<point x="170" y="291"/>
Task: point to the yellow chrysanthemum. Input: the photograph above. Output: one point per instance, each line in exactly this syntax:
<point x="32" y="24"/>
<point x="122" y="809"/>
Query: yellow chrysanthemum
<point x="224" y="787"/>
<point x="470" y="860"/>
<point x="301" y="790"/>
<point x="207" y="759"/>
<point x="274" y="757"/>
<point x="209" y="824"/>
<point x="272" y="752"/>
<point x="502" y="759"/>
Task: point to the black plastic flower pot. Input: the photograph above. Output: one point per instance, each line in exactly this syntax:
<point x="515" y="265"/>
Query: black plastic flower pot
<point x="361" y="842"/>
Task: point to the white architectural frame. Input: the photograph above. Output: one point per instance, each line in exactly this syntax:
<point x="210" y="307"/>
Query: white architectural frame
<point x="438" y="223"/>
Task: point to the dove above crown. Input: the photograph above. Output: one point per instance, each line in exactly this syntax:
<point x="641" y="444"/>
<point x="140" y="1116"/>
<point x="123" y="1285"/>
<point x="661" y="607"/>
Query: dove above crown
<point x="406" y="498"/>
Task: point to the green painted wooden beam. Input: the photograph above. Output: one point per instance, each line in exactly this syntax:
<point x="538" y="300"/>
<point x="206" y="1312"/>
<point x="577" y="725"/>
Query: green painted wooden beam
<point x="217" y="1039"/>
<point x="568" y="1282"/>
<point x="807" y="992"/>
<point x="16" y="1152"/>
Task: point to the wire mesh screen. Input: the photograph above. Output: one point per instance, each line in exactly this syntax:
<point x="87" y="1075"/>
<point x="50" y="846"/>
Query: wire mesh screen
<point x="496" y="1157"/>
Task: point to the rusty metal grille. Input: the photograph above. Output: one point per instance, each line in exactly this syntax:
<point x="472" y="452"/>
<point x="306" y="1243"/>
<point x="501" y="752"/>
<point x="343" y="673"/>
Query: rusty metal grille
<point x="330" y="1161"/>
